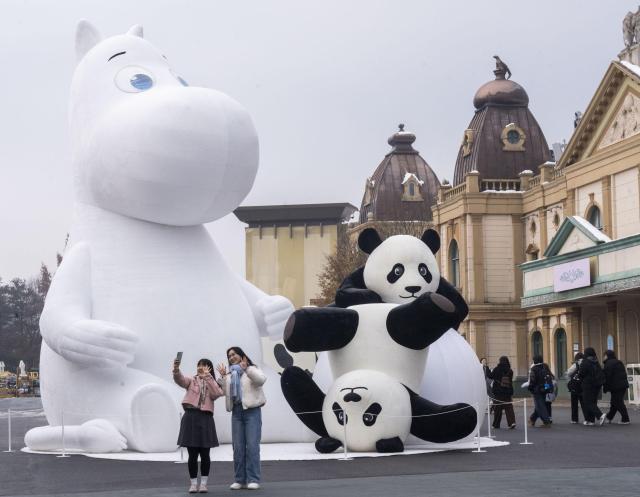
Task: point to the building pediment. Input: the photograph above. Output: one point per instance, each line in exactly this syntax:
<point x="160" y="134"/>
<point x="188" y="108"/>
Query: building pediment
<point x="575" y="233"/>
<point x="613" y="114"/>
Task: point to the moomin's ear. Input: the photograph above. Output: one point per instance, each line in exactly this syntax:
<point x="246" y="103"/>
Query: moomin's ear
<point x="432" y="239"/>
<point x="368" y="240"/>
<point x="87" y="37"/>
<point x="136" y="30"/>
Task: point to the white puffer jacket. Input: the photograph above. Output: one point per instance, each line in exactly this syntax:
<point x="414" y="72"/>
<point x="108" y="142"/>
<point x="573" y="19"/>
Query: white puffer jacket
<point x="251" y="384"/>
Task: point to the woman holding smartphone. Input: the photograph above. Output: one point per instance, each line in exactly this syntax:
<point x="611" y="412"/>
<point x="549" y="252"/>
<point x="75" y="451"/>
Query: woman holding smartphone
<point x="197" y="428"/>
<point x="242" y="386"/>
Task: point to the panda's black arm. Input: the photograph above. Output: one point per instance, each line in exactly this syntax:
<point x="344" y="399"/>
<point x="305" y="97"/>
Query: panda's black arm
<point x="447" y="290"/>
<point x="353" y="291"/>
<point x="420" y="323"/>
<point x="316" y="329"/>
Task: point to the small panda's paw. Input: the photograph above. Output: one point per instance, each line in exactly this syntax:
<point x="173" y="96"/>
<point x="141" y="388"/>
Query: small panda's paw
<point x="386" y="445"/>
<point x="326" y="445"/>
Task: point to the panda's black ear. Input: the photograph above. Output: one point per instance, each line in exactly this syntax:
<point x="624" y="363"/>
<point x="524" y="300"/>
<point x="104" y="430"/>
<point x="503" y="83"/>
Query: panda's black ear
<point x="432" y="239"/>
<point x="369" y="240"/>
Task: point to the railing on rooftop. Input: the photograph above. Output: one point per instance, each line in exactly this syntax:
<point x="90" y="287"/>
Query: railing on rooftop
<point x="455" y="191"/>
<point x="500" y="185"/>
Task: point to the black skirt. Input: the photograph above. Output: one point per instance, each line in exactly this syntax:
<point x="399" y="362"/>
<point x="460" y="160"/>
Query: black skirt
<point x="197" y="429"/>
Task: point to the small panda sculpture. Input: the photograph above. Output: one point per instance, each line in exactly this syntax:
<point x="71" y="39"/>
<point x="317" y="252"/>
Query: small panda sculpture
<point x="385" y="317"/>
<point x="372" y="409"/>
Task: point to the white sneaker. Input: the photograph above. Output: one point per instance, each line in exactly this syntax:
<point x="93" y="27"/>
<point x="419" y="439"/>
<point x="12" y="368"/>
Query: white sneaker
<point x="624" y="423"/>
<point x="236" y="486"/>
<point x="588" y="423"/>
<point x="603" y="418"/>
<point x="574" y="422"/>
<point x="193" y="488"/>
<point x="253" y="486"/>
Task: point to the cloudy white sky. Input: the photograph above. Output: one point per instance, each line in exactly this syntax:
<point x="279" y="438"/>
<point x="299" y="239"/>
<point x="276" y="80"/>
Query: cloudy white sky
<point x="326" y="82"/>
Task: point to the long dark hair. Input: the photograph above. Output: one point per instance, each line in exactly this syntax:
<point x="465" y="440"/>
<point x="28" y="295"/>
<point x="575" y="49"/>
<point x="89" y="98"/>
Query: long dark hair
<point x="241" y="353"/>
<point x="504" y="362"/>
<point x="610" y="354"/>
<point x="209" y="364"/>
<point x="590" y="352"/>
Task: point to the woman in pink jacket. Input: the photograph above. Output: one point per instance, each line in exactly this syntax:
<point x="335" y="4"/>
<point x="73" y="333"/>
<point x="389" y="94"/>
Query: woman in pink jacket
<point x="197" y="428"/>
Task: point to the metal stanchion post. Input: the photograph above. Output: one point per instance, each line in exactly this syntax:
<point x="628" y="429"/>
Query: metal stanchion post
<point x="478" y="434"/>
<point x="344" y="445"/>
<point x="526" y="425"/>
<point x="489" y="420"/>
<point x="9" y="429"/>
<point x="64" y="454"/>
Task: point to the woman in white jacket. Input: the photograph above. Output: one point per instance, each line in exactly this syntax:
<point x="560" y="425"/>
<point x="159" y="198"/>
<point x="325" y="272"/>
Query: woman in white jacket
<point x="242" y="386"/>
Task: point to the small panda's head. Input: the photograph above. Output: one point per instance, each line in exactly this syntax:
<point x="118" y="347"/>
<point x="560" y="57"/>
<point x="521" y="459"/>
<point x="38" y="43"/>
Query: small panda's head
<point x="371" y="406"/>
<point x="402" y="267"/>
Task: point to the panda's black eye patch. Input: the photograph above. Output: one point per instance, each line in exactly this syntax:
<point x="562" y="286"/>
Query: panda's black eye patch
<point x="424" y="272"/>
<point x="341" y="416"/>
<point x="370" y="416"/>
<point x="396" y="272"/>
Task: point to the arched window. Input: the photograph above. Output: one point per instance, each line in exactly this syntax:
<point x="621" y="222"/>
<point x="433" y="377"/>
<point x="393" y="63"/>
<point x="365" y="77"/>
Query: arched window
<point x="561" y="352"/>
<point x="454" y="264"/>
<point x="610" y="342"/>
<point x="536" y="343"/>
<point x="594" y="218"/>
<point x="412" y="189"/>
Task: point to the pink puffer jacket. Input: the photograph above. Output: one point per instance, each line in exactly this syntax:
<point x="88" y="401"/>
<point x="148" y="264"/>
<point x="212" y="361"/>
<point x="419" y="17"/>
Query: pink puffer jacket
<point x="192" y="385"/>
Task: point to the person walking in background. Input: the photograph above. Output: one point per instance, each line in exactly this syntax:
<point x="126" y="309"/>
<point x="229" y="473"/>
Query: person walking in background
<point x="617" y="383"/>
<point x="592" y="378"/>
<point x="574" y="386"/>
<point x="197" y="427"/>
<point x="242" y="386"/>
<point x="540" y="384"/>
<point x="502" y="391"/>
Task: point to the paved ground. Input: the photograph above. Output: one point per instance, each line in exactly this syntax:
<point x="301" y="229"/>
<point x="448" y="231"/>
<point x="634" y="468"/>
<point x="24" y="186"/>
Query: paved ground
<point x="564" y="460"/>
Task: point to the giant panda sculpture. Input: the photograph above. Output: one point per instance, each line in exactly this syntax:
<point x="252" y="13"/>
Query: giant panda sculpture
<point x="386" y="316"/>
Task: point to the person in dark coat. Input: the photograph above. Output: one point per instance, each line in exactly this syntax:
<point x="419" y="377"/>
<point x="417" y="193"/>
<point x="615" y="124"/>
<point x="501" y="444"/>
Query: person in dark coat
<point x="592" y="379"/>
<point x="537" y="374"/>
<point x="617" y="383"/>
<point x="575" y="388"/>
<point x="502" y="391"/>
<point x="487" y="375"/>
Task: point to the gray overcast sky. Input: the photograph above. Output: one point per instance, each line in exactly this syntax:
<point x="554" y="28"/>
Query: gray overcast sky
<point x="326" y="82"/>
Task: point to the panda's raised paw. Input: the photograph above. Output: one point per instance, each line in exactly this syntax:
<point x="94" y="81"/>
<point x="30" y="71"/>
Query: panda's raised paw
<point x="443" y="303"/>
<point x="387" y="445"/>
<point x="326" y="445"/>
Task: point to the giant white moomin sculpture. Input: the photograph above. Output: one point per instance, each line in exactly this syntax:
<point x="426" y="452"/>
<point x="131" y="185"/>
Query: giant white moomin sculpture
<point x="141" y="278"/>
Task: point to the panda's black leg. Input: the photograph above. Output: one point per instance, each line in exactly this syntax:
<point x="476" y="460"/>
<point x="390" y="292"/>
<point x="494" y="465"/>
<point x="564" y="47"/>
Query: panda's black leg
<point x="420" y="323"/>
<point x="320" y="328"/>
<point x="326" y="445"/>
<point x="304" y="396"/>
<point x="440" y="424"/>
<point x="386" y="445"/>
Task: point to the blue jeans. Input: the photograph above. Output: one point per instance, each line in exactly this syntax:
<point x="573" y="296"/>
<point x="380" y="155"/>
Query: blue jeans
<point x="246" y="431"/>
<point x="539" y="400"/>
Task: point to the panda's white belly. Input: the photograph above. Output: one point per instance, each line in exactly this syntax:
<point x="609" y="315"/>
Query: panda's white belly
<point x="373" y="348"/>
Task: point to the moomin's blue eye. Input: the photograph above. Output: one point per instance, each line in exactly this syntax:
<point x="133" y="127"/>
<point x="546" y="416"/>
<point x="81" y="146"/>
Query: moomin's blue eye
<point x="141" y="82"/>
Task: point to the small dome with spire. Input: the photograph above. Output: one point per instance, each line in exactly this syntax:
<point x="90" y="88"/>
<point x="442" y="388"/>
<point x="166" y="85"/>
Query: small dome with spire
<point x="403" y="187"/>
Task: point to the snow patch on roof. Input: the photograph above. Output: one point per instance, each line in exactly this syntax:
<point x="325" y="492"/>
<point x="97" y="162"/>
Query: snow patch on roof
<point x="408" y="176"/>
<point x="597" y="234"/>
<point x="632" y="67"/>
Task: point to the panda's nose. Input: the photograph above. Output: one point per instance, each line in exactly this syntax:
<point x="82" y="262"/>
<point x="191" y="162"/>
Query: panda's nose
<point x="352" y="397"/>
<point x="412" y="289"/>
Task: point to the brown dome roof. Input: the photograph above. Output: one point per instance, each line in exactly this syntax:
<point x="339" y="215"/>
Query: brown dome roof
<point x="403" y="187"/>
<point x="500" y="92"/>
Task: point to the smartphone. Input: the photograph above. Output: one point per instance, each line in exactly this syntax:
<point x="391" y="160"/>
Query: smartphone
<point x="179" y="357"/>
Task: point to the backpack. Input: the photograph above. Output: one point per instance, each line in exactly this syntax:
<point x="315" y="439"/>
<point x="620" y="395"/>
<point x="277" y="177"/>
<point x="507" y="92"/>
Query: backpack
<point x="575" y="385"/>
<point x="546" y="386"/>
